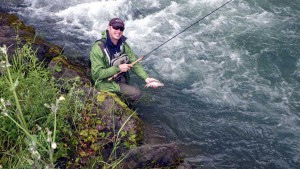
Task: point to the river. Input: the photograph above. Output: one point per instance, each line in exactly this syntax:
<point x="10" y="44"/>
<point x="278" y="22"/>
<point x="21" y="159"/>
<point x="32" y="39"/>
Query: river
<point x="232" y="81"/>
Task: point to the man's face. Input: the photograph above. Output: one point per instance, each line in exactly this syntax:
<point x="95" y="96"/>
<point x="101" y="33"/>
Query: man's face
<point x="115" y="32"/>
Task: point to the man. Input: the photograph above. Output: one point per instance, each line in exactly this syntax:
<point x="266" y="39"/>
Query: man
<point x="111" y="55"/>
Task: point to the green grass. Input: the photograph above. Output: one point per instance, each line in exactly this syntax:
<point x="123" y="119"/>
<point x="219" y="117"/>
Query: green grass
<point x="25" y="124"/>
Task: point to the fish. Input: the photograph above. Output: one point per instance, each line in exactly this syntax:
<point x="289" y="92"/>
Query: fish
<point x="154" y="84"/>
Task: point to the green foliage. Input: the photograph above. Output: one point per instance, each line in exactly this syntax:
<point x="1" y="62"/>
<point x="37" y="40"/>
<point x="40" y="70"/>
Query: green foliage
<point x="25" y="86"/>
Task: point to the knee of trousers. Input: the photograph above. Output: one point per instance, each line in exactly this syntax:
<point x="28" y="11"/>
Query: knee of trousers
<point x="136" y="94"/>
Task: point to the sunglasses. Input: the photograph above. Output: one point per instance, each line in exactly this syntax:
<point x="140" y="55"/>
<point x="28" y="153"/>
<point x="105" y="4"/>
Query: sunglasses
<point x="118" y="27"/>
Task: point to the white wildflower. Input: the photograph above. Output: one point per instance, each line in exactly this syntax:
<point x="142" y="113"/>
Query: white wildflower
<point x="8" y="103"/>
<point x="5" y="114"/>
<point x="3" y="108"/>
<point x="5" y="103"/>
<point x="54" y="145"/>
<point x="2" y="102"/>
<point x="61" y="98"/>
<point x="3" y="49"/>
<point x="33" y="150"/>
<point x="54" y="108"/>
<point x="32" y="147"/>
<point x="48" y="135"/>
<point x="5" y="64"/>
<point x="39" y="127"/>
<point x="48" y="132"/>
<point x="48" y="139"/>
<point x="8" y="65"/>
<point x="1" y="167"/>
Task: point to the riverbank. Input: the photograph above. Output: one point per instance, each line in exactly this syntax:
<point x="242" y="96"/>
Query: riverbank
<point x="112" y="114"/>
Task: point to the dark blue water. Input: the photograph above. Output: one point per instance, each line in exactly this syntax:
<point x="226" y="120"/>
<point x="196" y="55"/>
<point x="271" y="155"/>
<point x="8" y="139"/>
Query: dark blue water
<point x="232" y="94"/>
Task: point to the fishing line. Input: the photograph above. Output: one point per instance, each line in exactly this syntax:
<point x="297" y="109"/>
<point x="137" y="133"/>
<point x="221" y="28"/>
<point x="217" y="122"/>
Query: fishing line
<point x="188" y="27"/>
<point x="114" y="76"/>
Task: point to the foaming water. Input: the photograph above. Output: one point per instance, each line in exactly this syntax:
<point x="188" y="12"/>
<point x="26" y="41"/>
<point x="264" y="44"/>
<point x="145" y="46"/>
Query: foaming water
<point x="232" y="96"/>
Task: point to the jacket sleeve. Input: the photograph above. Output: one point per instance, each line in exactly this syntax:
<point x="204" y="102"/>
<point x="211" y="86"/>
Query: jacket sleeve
<point x="100" y="70"/>
<point x="137" y="68"/>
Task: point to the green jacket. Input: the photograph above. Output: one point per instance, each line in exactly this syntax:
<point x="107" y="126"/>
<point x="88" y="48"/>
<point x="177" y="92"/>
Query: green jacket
<point x="101" y="69"/>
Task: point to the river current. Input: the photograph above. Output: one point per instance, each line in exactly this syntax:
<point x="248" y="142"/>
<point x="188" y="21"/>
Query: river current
<point x="232" y="81"/>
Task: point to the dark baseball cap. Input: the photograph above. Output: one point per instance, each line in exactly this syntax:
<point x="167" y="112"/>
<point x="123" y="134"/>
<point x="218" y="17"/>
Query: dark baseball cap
<point x="116" y="22"/>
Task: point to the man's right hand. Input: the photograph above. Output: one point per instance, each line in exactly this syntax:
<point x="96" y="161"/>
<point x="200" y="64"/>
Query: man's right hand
<point x="125" y="67"/>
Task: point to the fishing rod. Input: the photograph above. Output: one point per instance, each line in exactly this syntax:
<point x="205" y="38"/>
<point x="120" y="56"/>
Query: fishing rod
<point x="142" y="57"/>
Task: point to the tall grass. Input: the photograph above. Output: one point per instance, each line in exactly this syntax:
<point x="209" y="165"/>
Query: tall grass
<point x="28" y="123"/>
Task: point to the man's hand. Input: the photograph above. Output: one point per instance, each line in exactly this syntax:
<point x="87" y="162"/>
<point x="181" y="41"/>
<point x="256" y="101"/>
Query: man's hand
<point x="125" y="67"/>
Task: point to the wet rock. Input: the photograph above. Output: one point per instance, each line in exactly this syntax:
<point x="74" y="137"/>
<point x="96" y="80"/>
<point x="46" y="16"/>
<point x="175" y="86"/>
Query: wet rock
<point x="14" y="33"/>
<point x="154" y="156"/>
<point x="66" y="69"/>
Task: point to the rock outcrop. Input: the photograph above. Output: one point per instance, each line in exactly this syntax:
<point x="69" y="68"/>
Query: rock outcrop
<point x="14" y="32"/>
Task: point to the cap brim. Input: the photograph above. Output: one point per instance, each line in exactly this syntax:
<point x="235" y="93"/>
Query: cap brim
<point x="118" y="24"/>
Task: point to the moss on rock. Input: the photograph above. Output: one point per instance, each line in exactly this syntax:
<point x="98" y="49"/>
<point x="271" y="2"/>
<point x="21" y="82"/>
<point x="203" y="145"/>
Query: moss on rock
<point x="15" y="33"/>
